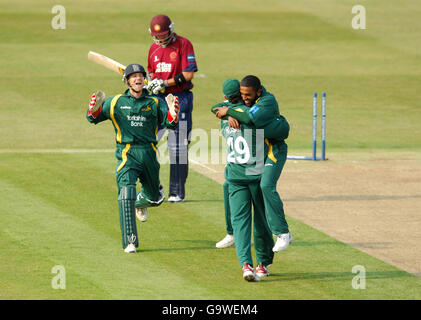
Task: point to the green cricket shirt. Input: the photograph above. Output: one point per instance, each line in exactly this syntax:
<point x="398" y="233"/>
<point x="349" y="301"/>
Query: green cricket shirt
<point x="135" y="120"/>
<point x="264" y="110"/>
<point x="246" y="151"/>
<point x="264" y="115"/>
<point x="226" y="103"/>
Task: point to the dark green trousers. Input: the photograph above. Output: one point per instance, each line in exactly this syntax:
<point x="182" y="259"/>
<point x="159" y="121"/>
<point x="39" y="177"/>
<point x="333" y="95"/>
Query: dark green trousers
<point x="139" y="162"/>
<point x="227" y="209"/>
<point x="135" y="162"/>
<point x="241" y="198"/>
<point x="274" y="207"/>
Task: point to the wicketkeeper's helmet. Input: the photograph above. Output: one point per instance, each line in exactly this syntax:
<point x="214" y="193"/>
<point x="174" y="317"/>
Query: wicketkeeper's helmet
<point x="133" y="68"/>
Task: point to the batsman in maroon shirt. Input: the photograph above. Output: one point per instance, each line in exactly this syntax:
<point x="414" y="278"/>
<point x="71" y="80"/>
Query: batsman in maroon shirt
<point x="171" y="67"/>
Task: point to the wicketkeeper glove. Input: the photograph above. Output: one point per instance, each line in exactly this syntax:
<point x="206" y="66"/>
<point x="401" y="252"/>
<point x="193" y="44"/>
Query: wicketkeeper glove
<point x="173" y="107"/>
<point x="157" y="85"/>
<point x="96" y="103"/>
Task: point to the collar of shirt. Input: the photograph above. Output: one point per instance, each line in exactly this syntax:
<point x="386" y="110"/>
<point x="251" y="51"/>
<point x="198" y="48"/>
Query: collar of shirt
<point x="128" y="94"/>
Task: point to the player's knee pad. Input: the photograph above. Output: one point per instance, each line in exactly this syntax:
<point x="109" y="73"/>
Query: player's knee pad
<point x="127" y="193"/>
<point x="126" y="204"/>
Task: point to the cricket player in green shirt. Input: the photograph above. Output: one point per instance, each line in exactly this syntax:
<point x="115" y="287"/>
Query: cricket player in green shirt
<point x="277" y="130"/>
<point x="263" y="110"/>
<point x="135" y="116"/>
<point x="245" y="161"/>
<point x="231" y="91"/>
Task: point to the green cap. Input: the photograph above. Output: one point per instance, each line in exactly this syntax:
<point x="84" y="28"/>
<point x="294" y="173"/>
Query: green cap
<point x="231" y="87"/>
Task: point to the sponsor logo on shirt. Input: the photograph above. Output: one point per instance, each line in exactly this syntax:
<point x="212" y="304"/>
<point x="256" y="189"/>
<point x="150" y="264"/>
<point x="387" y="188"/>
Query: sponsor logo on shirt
<point x="125" y="107"/>
<point x="173" y="56"/>
<point x="191" y="58"/>
<point x="254" y="109"/>
<point x="136" y="121"/>
<point x="163" y="67"/>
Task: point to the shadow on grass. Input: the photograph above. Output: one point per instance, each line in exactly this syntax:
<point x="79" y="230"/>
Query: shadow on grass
<point x="200" y="245"/>
<point x="298" y="243"/>
<point x="202" y="200"/>
<point x="336" y="275"/>
<point x="209" y="244"/>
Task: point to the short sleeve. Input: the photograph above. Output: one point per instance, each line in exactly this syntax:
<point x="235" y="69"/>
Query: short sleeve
<point x="188" y="60"/>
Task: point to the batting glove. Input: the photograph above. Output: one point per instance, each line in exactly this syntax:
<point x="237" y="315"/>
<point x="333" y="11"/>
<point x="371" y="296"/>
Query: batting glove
<point x="173" y="107"/>
<point x="96" y="103"/>
<point x="157" y="85"/>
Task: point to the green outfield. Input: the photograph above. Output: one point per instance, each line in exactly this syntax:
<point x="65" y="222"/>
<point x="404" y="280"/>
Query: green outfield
<point x="58" y="203"/>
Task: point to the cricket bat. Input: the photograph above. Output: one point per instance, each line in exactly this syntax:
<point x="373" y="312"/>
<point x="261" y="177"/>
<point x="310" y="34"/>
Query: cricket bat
<point x="110" y="64"/>
<point x="106" y="62"/>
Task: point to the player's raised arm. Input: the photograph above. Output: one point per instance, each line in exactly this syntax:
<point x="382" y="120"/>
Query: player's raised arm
<point x="95" y="113"/>
<point x="168" y="112"/>
<point x="173" y="108"/>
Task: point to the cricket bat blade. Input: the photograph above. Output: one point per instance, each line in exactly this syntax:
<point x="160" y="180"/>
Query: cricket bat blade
<point x="106" y="62"/>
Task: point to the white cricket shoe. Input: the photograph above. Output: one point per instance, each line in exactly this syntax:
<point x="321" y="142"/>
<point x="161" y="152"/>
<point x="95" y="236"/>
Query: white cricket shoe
<point x="282" y="242"/>
<point x="228" y="241"/>
<point x="262" y="270"/>
<point x="142" y="214"/>
<point x="249" y="274"/>
<point x="175" y="199"/>
<point x="130" y="248"/>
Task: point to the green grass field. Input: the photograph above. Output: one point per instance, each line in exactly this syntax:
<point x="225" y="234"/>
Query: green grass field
<point x="60" y="208"/>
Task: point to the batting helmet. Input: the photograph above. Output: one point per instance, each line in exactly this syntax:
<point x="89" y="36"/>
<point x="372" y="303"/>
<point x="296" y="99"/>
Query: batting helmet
<point x="133" y="68"/>
<point x="161" y="25"/>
